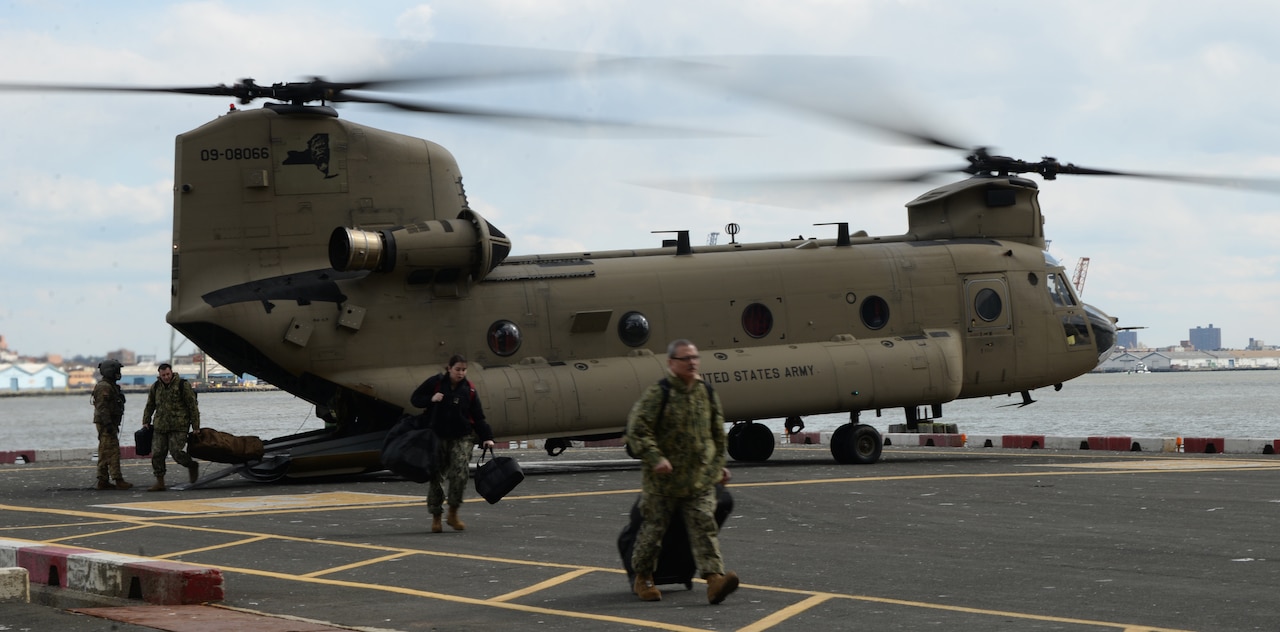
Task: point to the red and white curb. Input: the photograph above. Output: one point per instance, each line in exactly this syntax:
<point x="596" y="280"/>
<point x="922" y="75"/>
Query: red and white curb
<point x="111" y="574"/>
<point x="1119" y="443"/>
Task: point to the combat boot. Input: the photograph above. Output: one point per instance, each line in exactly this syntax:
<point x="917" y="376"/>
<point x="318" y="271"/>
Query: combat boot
<point x="193" y="471"/>
<point x="123" y="484"/>
<point x="436" y="527"/>
<point x="719" y="586"/>
<point x="645" y="589"/>
<point x="159" y="486"/>
<point x="103" y="484"/>
<point x="453" y="519"/>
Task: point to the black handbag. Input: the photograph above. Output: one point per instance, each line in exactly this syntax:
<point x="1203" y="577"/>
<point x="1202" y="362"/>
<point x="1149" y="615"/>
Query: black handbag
<point x="496" y="477"/>
<point x="142" y="440"/>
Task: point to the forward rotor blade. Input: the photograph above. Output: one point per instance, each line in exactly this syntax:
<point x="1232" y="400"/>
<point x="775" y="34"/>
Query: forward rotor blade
<point x="219" y="90"/>
<point x="563" y="125"/>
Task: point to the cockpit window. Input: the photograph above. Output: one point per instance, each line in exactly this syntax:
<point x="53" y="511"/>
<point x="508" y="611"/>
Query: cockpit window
<point x="1076" y="330"/>
<point x="1059" y="290"/>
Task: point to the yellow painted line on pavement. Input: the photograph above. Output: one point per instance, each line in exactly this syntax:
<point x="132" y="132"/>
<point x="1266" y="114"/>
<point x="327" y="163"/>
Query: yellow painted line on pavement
<point x="1171" y="465"/>
<point x="376" y="560"/>
<point x="788" y="612"/>
<point x="543" y="585"/>
<point x="811" y="598"/>
<point x="644" y="623"/>
<point x="98" y="533"/>
<point x="258" y="504"/>
<point x="216" y="547"/>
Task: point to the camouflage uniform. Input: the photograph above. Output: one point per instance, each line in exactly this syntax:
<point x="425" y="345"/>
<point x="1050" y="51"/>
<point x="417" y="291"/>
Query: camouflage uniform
<point x="108" y="410"/>
<point x="175" y="413"/>
<point x="690" y="434"/>
<point x="453" y="473"/>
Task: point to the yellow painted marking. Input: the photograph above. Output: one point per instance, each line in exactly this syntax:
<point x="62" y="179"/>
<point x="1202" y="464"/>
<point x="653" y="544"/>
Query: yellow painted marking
<point x="543" y="585"/>
<point x="1128" y="627"/>
<point x="97" y="533"/>
<point x="811" y="599"/>
<point x="465" y="600"/>
<point x="214" y="547"/>
<point x="1172" y="465"/>
<point x="394" y="556"/>
<point x="258" y="504"/>
<point x="579" y="570"/>
<point x="786" y="613"/>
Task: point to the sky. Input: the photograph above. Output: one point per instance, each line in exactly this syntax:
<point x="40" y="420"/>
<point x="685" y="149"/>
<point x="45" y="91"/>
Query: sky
<point x="86" y="180"/>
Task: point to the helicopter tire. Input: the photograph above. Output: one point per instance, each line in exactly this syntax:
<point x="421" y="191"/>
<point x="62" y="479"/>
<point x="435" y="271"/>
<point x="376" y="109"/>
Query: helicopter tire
<point x="750" y="442"/>
<point x="271" y="468"/>
<point x="856" y="444"/>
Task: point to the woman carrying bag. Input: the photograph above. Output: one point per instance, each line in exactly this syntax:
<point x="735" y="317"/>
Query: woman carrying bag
<point x="449" y="401"/>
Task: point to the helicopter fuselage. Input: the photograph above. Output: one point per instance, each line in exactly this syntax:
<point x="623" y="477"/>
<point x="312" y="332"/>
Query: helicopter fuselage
<point x="343" y="264"/>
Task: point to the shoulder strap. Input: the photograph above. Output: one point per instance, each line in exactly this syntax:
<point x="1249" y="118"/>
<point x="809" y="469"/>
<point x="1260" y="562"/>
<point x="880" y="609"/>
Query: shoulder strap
<point x="665" y="385"/>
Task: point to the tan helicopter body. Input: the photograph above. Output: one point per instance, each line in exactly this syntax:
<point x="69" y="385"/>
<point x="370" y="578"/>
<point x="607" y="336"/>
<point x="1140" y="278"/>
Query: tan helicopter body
<point x="343" y="264"/>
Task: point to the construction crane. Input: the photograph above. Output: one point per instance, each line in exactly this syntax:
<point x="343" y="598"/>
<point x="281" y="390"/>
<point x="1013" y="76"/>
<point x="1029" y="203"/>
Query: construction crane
<point x="1082" y="270"/>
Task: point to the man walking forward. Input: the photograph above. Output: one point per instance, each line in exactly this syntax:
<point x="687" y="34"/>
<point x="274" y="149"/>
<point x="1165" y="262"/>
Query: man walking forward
<point x="679" y="436"/>
<point x="172" y="402"/>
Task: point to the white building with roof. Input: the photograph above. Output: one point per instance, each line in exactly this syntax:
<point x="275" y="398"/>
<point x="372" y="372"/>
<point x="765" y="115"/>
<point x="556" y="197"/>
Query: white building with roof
<point x="32" y="377"/>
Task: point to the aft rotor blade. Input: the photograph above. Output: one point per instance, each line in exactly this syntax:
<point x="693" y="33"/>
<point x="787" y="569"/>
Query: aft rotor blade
<point x="1269" y="185"/>
<point x="849" y="90"/>
<point x="800" y="191"/>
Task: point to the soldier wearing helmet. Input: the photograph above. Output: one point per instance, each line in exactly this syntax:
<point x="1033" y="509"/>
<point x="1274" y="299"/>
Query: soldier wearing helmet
<point x="108" y="410"/>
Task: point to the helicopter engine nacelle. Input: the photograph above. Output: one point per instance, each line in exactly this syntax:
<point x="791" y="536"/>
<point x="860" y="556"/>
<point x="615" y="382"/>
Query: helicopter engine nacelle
<point x="434" y="250"/>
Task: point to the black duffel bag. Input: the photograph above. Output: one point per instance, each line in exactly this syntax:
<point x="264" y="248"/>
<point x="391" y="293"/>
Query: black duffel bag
<point x="142" y="441"/>
<point x="411" y="449"/>
<point x="496" y="477"/>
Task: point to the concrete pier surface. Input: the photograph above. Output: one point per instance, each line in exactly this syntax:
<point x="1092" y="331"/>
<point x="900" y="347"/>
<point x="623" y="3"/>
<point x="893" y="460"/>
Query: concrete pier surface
<point x="928" y="538"/>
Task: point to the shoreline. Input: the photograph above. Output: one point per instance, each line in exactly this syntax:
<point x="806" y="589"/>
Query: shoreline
<point x="129" y="388"/>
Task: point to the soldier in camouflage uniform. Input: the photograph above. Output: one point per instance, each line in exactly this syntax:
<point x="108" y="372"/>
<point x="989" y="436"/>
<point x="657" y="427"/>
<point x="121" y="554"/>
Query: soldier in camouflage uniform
<point x="172" y="403"/>
<point x="682" y="447"/>
<point x="108" y="410"/>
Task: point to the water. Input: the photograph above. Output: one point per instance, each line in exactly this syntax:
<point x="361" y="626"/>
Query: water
<point x="1236" y="404"/>
<point x="59" y="422"/>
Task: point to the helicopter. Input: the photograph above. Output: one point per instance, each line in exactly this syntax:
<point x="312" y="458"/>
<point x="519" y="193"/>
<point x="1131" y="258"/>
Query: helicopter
<point x="343" y="264"/>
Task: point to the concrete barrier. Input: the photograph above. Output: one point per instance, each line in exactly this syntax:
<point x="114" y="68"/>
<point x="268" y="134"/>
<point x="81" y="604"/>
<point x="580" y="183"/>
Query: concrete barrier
<point x="1248" y="446"/>
<point x="15" y="584"/>
<point x="113" y="575"/>
<point x="1202" y="445"/>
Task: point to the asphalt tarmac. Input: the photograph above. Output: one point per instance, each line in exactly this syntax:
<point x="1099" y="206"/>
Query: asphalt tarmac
<point x="927" y="539"/>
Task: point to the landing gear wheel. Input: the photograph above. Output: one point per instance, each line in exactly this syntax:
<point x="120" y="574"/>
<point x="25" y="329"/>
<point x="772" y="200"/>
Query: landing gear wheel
<point x="856" y="443"/>
<point x="750" y="441"/>
<point x="270" y="469"/>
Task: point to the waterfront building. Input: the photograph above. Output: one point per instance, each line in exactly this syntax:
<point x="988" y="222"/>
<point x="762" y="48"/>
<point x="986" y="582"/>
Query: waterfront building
<point x="1122" y="361"/>
<point x="32" y="377"/>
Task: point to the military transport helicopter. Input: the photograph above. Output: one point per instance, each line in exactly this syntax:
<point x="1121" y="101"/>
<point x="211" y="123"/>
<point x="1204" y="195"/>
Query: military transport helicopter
<point x="343" y="264"/>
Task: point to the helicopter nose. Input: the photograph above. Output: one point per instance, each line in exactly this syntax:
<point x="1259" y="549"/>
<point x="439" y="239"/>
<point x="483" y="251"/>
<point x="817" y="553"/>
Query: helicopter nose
<point x="1104" y="331"/>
